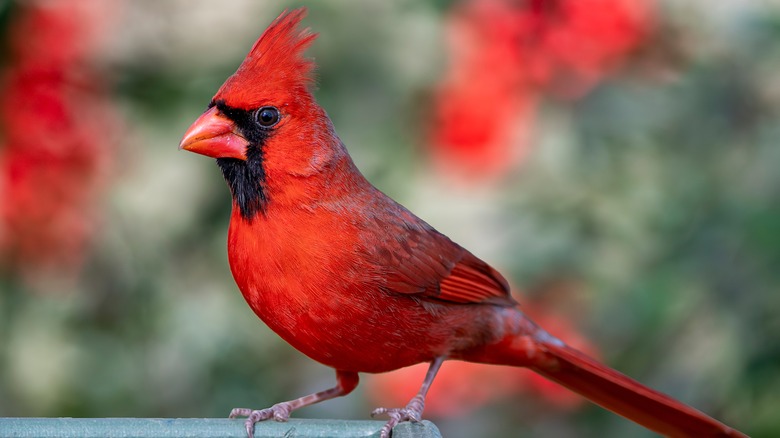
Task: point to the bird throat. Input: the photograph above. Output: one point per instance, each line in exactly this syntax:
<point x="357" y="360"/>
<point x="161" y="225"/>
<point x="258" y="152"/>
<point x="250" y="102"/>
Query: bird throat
<point x="246" y="179"/>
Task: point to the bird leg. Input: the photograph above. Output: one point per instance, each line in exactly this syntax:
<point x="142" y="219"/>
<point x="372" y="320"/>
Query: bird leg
<point x="413" y="410"/>
<point x="346" y="381"/>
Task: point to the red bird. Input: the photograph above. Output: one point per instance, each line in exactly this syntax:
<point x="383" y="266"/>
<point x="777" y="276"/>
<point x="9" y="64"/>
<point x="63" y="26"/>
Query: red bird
<point x="353" y="279"/>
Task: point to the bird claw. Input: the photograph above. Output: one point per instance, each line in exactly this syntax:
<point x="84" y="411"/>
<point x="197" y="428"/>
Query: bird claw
<point x="412" y="412"/>
<point x="279" y="412"/>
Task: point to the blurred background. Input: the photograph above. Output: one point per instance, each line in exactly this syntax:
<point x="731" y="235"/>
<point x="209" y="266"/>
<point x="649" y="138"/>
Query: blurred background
<point x="618" y="160"/>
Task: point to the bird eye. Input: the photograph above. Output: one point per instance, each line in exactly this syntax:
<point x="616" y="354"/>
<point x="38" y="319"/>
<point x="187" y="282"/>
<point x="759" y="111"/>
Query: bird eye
<point x="267" y="116"/>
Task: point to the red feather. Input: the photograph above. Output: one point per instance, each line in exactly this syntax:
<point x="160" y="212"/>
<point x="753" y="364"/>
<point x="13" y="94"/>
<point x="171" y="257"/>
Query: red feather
<point x="275" y="64"/>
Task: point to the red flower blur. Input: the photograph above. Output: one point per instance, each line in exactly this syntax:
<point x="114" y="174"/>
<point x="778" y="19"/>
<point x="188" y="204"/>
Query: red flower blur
<point x="505" y="54"/>
<point x="462" y="387"/>
<point x="57" y="133"/>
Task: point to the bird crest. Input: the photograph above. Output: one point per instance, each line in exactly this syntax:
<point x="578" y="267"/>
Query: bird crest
<point x="275" y="65"/>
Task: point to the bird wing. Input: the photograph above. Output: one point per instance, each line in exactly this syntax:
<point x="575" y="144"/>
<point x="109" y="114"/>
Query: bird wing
<point x="418" y="260"/>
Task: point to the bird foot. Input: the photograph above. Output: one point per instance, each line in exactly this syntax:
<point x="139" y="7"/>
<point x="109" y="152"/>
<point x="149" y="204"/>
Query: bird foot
<point x="279" y="412"/>
<point x="412" y="412"/>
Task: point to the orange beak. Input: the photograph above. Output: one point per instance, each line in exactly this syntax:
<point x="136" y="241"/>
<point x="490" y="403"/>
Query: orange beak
<point x="215" y="136"/>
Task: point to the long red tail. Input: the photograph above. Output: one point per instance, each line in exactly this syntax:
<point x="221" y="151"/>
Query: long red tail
<point x="623" y="395"/>
<point x="527" y="345"/>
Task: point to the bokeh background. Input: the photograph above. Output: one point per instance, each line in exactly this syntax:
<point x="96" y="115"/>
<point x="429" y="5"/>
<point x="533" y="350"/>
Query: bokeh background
<point x="618" y="160"/>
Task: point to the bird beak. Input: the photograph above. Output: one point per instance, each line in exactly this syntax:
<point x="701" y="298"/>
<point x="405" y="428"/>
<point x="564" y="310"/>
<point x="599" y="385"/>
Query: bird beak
<point x="215" y="136"/>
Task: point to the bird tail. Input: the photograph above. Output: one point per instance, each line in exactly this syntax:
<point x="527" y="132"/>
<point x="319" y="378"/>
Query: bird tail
<point x="527" y="345"/>
<point x="623" y="395"/>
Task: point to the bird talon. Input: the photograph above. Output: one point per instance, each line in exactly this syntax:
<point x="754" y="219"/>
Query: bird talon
<point x="279" y="412"/>
<point x="412" y="412"/>
<point x="378" y="411"/>
<point x="249" y="425"/>
<point x="239" y="412"/>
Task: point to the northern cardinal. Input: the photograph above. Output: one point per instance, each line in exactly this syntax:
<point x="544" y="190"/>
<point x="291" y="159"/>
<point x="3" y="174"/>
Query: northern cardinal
<point x="353" y="279"/>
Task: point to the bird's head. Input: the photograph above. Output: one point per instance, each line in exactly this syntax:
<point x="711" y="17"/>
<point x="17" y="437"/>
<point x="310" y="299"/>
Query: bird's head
<point x="264" y="120"/>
